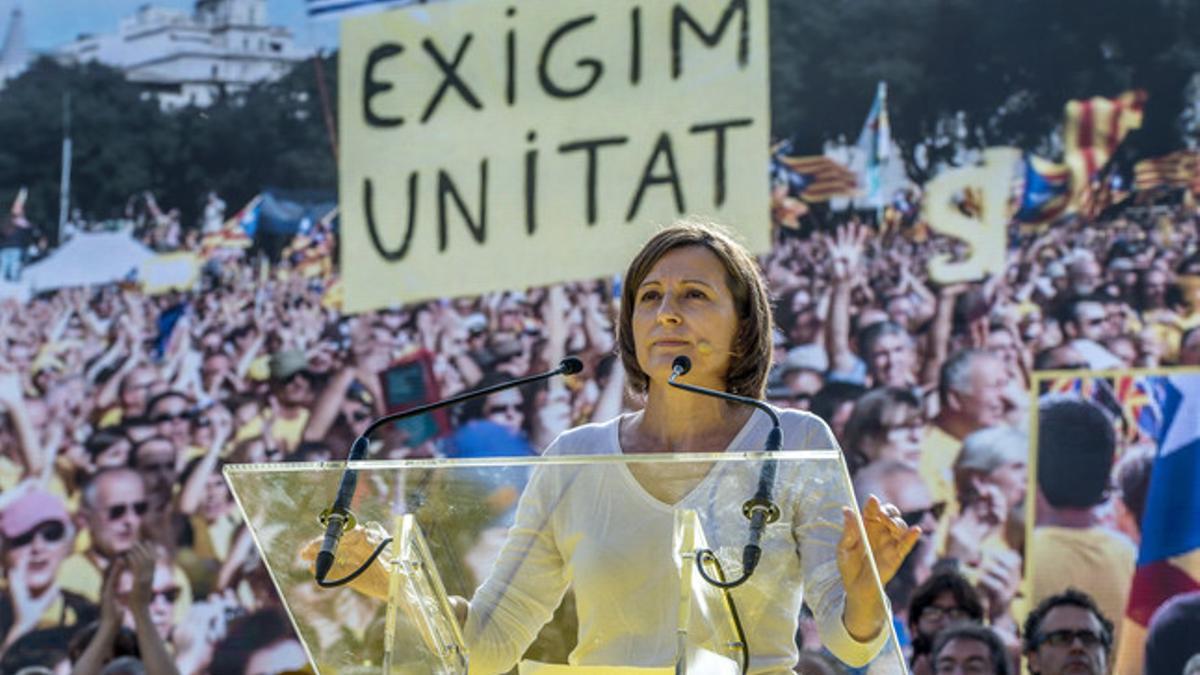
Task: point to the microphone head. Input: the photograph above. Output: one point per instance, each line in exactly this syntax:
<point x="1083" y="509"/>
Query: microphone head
<point x="570" y="365"/>
<point x="681" y="364"/>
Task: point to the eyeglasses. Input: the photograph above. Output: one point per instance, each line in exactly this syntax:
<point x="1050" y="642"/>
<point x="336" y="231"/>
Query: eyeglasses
<point x="118" y="511"/>
<point x="935" y="613"/>
<point x="171" y="417"/>
<point x="1066" y="637"/>
<point x="501" y="409"/>
<point x="50" y="531"/>
<point x="912" y="518"/>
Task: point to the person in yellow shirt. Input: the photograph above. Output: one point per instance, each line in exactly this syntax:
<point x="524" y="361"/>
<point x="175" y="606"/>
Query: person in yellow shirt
<point x="293" y="392"/>
<point x="973" y="394"/>
<point x="113" y="507"/>
<point x="1070" y="546"/>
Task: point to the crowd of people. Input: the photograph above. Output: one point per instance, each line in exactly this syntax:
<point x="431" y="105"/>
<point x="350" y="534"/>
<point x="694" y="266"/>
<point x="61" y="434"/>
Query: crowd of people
<point x="120" y="409"/>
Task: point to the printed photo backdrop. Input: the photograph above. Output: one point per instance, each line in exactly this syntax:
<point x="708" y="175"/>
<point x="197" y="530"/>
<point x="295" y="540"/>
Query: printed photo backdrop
<point x="960" y="199"/>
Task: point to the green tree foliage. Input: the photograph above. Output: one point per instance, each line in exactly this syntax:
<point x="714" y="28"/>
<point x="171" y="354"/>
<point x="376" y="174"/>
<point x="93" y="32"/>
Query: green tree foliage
<point x="1005" y="68"/>
<point x="273" y="135"/>
<point x="1009" y="66"/>
<point x="118" y="138"/>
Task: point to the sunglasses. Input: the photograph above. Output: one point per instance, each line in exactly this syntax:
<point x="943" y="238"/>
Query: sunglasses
<point x="170" y="594"/>
<point x="499" y="409"/>
<point x="50" y="532"/>
<point x="1066" y="637"/>
<point x="913" y="518"/>
<point x="171" y="417"/>
<point x="118" y="511"/>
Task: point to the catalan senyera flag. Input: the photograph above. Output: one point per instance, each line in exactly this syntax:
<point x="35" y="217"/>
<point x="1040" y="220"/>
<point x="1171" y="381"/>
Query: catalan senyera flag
<point x="1092" y="131"/>
<point x="1169" y="556"/>
<point x="1177" y="170"/>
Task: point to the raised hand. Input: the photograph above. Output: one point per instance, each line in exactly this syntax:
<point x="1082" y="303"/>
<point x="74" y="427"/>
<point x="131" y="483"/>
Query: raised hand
<point x="890" y="540"/>
<point x="141" y="560"/>
<point x="979" y="519"/>
<point x="845" y="250"/>
<point x="27" y="608"/>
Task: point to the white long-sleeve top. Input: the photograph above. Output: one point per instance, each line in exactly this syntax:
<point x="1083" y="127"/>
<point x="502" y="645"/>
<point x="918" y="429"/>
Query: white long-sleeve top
<point x="595" y="528"/>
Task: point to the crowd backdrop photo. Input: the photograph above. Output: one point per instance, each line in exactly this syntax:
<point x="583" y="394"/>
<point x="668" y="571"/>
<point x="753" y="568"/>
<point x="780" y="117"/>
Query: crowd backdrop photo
<point x="237" y="231"/>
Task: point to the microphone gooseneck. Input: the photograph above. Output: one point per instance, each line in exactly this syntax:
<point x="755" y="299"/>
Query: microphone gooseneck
<point x="759" y="509"/>
<point x="338" y="518"/>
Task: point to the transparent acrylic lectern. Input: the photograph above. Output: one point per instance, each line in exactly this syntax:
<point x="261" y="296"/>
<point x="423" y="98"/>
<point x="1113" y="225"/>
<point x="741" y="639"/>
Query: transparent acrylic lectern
<point x="582" y="564"/>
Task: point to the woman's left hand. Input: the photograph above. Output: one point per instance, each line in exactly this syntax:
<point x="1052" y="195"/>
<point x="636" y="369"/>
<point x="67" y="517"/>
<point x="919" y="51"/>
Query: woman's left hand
<point x="890" y="539"/>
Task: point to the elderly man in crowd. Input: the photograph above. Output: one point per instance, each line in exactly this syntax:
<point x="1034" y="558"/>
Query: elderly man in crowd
<point x="973" y="394"/>
<point x="113" y="507"/>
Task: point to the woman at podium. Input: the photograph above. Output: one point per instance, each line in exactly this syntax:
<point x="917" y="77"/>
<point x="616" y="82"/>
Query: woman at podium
<point x="692" y="291"/>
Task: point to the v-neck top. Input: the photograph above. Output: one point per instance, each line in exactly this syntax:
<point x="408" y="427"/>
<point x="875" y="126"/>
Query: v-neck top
<point x="596" y="529"/>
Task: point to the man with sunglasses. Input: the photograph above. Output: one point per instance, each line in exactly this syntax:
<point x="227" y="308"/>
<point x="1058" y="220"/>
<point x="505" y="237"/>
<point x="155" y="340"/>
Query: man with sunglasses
<point x="37" y="535"/>
<point x="1067" y="633"/>
<point x="113" y="507"/>
<point x="1085" y="326"/>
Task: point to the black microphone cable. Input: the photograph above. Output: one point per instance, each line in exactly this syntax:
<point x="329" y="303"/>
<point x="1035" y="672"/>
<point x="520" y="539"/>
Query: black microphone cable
<point x="338" y="517"/>
<point x="759" y="509"/>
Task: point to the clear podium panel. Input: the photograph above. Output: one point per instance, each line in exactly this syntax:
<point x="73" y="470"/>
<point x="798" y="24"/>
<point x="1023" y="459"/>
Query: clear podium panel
<point x="590" y="561"/>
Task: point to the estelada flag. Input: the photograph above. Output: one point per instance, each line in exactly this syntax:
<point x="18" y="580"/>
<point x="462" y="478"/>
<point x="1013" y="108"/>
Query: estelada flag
<point x="1169" y="556"/>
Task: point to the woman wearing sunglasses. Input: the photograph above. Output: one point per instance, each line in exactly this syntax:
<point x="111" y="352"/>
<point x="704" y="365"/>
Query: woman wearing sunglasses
<point x="37" y="535"/>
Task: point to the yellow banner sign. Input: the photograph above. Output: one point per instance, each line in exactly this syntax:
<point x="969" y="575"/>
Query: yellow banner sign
<point x="490" y="145"/>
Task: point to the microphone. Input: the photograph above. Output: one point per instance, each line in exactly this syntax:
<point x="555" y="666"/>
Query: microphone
<point x="337" y="518"/>
<point x="759" y="509"/>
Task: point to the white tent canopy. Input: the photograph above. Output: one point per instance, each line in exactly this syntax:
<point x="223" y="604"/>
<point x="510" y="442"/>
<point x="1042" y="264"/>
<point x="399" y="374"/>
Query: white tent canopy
<point x="88" y="259"/>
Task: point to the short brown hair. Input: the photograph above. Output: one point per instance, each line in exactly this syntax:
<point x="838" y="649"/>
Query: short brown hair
<point x="751" y="359"/>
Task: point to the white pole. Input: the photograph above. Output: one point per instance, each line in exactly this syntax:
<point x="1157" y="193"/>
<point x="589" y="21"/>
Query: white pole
<point x="64" y="192"/>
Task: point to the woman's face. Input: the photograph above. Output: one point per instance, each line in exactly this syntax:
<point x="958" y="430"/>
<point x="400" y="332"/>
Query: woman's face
<point x="684" y="307"/>
<point x="1011" y="478"/>
<point x="904" y="430"/>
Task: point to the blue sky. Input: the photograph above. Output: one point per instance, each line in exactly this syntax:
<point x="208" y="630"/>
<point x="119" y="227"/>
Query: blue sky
<point x="49" y="23"/>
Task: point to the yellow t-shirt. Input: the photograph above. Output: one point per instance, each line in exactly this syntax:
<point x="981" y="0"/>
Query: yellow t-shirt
<point x="289" y="432"/>
<point x="11" y="473"/>
<point x="1097" y="561"/>
<point x="938" y="452"/>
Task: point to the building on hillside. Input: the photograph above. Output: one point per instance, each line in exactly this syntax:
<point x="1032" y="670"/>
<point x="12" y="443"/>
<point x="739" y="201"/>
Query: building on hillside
<point x="222" y="46"/>
<point x="14" y="54"/>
